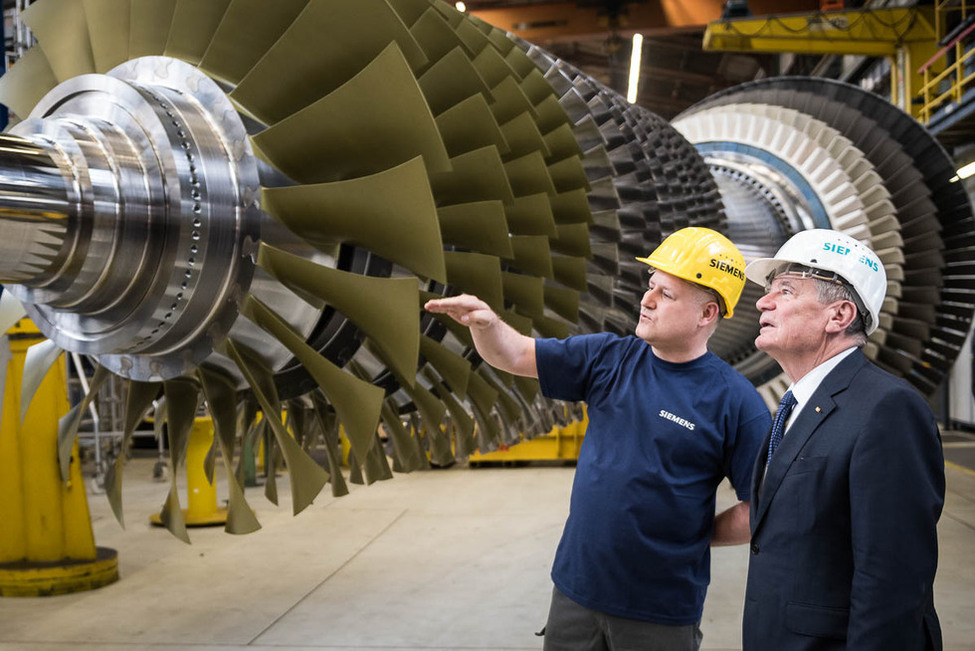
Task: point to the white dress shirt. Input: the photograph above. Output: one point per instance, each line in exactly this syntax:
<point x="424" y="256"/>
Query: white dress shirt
<point x="803" y="390"/>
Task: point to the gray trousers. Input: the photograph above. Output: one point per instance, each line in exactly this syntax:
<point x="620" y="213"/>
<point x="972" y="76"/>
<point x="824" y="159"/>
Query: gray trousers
<point x="572" y="627"/>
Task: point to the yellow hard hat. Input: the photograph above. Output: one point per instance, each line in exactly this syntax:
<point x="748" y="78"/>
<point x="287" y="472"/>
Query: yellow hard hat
<point x="704" y="257"/>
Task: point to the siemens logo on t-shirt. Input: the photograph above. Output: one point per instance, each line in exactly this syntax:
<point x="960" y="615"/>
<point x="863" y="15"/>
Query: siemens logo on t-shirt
<point x="677" y="419"/>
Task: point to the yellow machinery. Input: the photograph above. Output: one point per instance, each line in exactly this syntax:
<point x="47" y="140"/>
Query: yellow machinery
<point x="201" y="491"/>
<point x="906" y="35"/>
<point x="46" y="542"/>
<point x="560" y="444"/>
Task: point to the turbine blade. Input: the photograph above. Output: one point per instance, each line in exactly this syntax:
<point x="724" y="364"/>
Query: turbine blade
<point x="477" y="274"/>
<point x="150" y="25"/>
<point x="356" y="401"/>
<point x="384" y="308"/>
<point x="139" y="397"/>
<point x="377" y="120"/>
<point x="480" y="226"/>
<point x="454" y="369"/>
<point x="68" y="425"/>
<point x="67" y="48"/>
<point x="326" y="46"/>
<point x="193" y="26"/>
<point x="307" y="477"/>
<point x="108" y="29"/>
<point x="391" y="213"/>
<point x="221" y="396"/>
<point x="24" y="84"/>
<point x="248" y="29"/>
<point x="469" y="125"/>
<point x="330" y="433"/>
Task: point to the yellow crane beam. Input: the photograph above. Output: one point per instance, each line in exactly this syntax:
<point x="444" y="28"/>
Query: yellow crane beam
<point x="906" y="35"/>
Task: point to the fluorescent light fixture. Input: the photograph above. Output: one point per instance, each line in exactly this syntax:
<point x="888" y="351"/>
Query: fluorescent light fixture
<point x="461" y="7"/>
<point x="634" y="68"/>
<point x="966" y="170"/>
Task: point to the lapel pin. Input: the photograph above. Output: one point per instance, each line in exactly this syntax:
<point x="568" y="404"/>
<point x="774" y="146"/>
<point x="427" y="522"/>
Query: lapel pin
<point x="818" y="409"/>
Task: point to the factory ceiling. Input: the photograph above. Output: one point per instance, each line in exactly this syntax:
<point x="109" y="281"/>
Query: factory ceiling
<point x="594" y="35"/>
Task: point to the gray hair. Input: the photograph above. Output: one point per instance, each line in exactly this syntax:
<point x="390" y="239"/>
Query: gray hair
<point x="830" y="292"/>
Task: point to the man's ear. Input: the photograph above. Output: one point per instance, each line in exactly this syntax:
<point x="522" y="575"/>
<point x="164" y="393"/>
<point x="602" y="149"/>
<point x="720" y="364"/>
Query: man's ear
<point x="710" y="312"/>
<point x="841" y="315"/>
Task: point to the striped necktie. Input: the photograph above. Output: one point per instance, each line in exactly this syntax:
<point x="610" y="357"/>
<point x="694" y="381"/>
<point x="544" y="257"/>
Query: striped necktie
<point x="778" y="425"/>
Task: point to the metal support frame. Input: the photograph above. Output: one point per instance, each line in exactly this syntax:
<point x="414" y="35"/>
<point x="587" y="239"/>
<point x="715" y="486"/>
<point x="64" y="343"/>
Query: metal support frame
<point x="907" y="36"/>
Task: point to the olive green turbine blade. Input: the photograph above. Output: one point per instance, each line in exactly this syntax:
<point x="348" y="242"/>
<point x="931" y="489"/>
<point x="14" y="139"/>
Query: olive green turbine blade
<point x="23" y="86"/>
<point x="377" y="120"/>
<point x="69" y="423"/>
<point x="470" y="125"/>
<point x="248" y="29"/>
<point x="509" y="101"/>
<point x="533" y="255"/>
<point x="410" y="11"/>
<point x="480" y="226"/>
<point x="326" y="46"/>
<point x="498" y="74"/>
<point x="182" y="399"/>
<point x="193" y="26"/>
<point x="563" y="301"/>
<point x="529" y="175"/>
<point x="525" y="291"/>
<point x="307" y="477"/>
<point x="435" y="35"/>
<point x="573" y="239"/>
<point x="391" y="213"/>
<point x="476" y="274"/>
<point x="454" y="369"/>
<point x="108" y="30"/>
<point x="531" y="215"/>
<point x="384" y="308"/>
<point x="523" y="137"/>
<point x="572" y="207"/>
<point x="571" y="271"/>
<point x="356" y="401"/>
<point x="407" y="452"/>
<point x="562" y="143"/>
<point x="59" y="28"/>
<point x="150" y="21"/>
<point x="138" y="399"/>
<point x="477" y="175"/>
<point x="221" y="396"/>
<point x="328" y="423"/>
<point x="451" y="80"/>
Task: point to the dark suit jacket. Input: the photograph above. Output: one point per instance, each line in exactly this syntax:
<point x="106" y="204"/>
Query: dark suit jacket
<point x="844" y="542"/>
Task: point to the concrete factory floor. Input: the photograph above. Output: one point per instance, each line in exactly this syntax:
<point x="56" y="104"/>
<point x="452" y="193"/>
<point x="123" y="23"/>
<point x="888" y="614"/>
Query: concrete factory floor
<point x="447" y="559"/>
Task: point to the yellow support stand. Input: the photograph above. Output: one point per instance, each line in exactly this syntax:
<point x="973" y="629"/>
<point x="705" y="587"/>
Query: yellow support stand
<point x="46" y="542"/>
<point x="561" y="444"/>
<point x="201" y="495"/>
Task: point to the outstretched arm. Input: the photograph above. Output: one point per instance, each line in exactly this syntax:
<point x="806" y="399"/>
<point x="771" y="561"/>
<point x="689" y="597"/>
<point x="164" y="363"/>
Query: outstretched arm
<point x="498" y="343"/>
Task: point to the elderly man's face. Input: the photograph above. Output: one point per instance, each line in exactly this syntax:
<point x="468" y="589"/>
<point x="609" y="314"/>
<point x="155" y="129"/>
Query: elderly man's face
<point x="792" y="320"/>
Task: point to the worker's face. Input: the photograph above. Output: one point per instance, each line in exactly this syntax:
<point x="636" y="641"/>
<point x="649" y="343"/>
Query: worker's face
<point x="792" y="320"/>
<point x="671" y="310"/>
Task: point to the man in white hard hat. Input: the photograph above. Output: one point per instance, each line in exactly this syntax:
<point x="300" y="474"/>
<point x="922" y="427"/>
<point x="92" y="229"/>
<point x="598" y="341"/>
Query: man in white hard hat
<point x="847" y="494"/>
<point x="668" y="420"/>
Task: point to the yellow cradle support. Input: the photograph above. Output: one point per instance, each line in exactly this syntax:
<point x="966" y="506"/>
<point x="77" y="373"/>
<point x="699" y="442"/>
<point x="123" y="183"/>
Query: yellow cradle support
<point x="46" y="542"/>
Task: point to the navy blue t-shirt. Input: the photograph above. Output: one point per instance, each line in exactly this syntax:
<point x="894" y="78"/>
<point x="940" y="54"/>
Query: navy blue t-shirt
<point x="661" y="437"/>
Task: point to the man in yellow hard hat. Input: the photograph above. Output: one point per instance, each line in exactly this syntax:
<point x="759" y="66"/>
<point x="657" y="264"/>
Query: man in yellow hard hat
<point x="668" y="420"/>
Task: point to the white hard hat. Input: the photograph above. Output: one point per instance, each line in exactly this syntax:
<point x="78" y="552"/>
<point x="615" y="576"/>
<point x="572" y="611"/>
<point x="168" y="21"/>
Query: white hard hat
<point x="831" y="251"/>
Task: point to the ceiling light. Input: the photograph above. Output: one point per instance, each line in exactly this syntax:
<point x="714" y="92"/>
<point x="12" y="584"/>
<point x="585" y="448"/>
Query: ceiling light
<point x="634" y="68"/>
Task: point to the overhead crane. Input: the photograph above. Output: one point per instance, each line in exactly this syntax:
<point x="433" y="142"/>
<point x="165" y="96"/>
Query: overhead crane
<point x="907" y="36"/>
